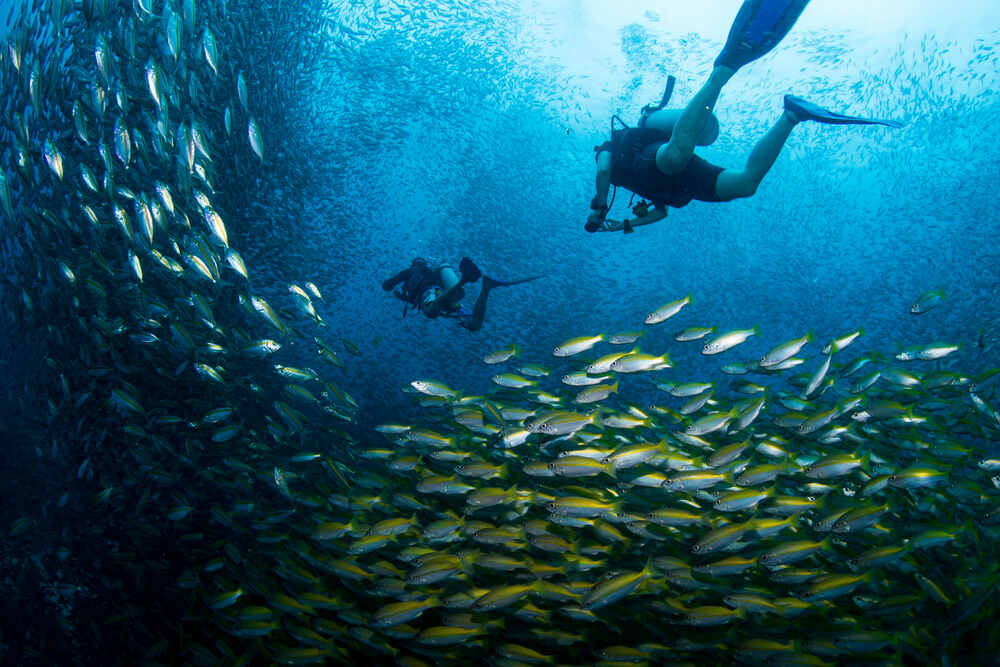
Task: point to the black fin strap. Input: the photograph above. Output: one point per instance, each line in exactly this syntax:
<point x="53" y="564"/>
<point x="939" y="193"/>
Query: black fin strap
<point x="668" y="91"/>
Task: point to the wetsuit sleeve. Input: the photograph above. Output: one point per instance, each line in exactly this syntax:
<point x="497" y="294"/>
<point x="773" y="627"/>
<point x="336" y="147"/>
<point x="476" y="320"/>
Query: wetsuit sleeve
<point x="402" y="276"/>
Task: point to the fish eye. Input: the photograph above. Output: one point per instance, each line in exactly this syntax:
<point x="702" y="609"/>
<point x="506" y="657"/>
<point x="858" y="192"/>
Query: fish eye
<point x="696" y="548"/>
<point x="811" y="499"/>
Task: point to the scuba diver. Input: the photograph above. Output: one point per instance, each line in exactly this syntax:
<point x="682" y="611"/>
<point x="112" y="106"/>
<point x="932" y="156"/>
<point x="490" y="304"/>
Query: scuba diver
<point x="656" y="160"/>
<point x="437" y="291"/>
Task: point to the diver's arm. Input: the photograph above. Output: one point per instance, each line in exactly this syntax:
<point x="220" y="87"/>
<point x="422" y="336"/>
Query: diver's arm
<point x="655" y="215"/>
<point x="599" y="204"/>
<point x="603" y="180"/>
<point x="389" y="283"/>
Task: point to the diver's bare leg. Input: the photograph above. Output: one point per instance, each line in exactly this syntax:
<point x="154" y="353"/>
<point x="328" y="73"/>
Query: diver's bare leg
<point x="673" y="156"/>
<point x="733" y="183"/>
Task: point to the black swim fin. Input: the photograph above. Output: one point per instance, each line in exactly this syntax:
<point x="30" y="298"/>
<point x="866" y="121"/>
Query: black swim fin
<point x="489" y="283"/>
<point x="803" y="110"/>
<point x="470" y="272"/>
<point x="758" y="27"/>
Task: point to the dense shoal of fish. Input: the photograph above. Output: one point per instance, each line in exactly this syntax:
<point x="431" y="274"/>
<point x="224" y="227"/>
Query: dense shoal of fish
<point x="813" y="507"/>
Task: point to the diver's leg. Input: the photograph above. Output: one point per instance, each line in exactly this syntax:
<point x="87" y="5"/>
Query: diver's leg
<point x="733" y="183"/>
<point x="451" y="292"/>
<point x="475" y="322"/>
<point x="673" y="156"/>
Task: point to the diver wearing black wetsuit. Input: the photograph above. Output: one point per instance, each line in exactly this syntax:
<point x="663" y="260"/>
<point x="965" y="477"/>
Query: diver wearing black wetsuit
<point x="656" y="160"/>
<point x="437" y="291"/>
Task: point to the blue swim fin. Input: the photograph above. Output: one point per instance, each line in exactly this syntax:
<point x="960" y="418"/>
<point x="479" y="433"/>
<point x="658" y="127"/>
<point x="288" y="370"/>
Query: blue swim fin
<point x="759" y="26"/>
<point x="803" y="110"/>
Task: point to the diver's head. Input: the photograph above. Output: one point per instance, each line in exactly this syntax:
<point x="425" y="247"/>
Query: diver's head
<point x="418" y="273"/>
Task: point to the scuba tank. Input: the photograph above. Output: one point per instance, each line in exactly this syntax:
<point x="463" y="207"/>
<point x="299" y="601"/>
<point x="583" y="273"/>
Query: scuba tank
<point x="668" y="118"/>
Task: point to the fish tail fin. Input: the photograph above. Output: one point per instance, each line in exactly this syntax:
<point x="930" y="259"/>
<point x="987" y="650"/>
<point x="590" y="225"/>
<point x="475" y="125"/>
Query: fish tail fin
<point x="866" y="462"/>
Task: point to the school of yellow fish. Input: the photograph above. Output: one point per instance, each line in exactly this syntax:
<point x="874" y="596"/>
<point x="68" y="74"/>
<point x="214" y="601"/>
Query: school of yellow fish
<point x="811" y="507"/>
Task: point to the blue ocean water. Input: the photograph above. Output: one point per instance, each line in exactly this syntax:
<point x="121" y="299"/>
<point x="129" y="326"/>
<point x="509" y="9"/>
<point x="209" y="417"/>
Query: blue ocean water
<point x="490" y="156"/>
